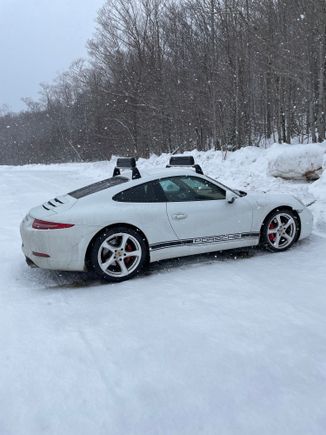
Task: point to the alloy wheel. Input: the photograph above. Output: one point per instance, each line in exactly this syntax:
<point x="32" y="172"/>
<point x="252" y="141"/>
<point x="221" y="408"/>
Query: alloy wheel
<point x="281" y="231"/>
<point x="119" y="255"/>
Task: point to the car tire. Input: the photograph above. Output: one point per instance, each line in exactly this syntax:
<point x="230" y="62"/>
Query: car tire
<point x="280" y="230"/>
<point x="118" y="254"/>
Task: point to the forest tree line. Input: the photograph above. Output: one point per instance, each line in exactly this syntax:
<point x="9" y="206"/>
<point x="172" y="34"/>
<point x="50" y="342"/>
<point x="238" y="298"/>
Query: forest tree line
<point x="164" y="75"/>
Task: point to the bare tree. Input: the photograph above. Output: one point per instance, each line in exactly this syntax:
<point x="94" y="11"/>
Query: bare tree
<point x="167" y="74"/>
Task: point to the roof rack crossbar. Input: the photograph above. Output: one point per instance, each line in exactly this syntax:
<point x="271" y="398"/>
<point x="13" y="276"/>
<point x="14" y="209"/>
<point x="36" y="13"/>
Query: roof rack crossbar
<point x="185" y="161"/>
<point x="198" y="169"/>
<point x="127" y="163"/>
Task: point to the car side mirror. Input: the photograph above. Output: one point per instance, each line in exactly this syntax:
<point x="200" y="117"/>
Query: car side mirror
<point x="230" y="197"/>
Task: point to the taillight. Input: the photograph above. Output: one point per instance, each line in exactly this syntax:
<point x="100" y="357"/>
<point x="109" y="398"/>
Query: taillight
<point x="44" y="225"/>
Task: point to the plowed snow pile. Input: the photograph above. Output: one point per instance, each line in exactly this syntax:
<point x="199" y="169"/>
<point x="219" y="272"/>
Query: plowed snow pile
<point x="295" y="162"/>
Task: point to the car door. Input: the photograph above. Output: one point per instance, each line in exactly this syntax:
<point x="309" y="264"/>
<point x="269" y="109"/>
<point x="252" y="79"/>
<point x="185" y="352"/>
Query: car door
<point x="144" y="206"/>
<point x="201" y="216"/>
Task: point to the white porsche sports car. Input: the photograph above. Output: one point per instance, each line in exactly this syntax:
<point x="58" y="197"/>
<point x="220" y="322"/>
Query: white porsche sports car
<point x="116" y="226"/>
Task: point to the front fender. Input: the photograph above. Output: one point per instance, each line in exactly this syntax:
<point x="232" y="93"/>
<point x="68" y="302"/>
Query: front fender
<point x="263" y="204"/>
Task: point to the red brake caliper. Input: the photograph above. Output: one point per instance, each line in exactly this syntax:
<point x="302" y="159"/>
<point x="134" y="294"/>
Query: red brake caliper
<point x="128" y="260"/>
<point x="272" y="236"/>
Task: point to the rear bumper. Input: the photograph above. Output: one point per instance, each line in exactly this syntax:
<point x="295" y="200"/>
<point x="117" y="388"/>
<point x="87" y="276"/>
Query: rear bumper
<point x="65" y="248"/>
<point x="30" y="263"/>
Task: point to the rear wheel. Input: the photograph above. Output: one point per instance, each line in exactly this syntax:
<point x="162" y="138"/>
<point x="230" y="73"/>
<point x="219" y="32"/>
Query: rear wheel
<point x="280" y="230"/>
<point x="118" y="254"/>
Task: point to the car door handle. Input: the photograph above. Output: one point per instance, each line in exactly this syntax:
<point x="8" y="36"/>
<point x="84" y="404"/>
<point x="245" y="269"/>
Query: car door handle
<point x="179" y="216"/>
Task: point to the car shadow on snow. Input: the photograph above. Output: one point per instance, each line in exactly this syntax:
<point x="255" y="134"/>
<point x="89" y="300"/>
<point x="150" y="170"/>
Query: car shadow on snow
<point x="49" y="279"/>
<point x="198" y="260"/>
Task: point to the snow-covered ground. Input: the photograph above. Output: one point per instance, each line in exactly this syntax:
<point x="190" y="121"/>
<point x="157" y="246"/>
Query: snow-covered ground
<point x="216" y="344"/>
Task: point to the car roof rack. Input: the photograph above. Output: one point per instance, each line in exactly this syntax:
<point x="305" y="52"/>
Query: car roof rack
<point x="184" y="161"/>
<point x="127" y="163"/>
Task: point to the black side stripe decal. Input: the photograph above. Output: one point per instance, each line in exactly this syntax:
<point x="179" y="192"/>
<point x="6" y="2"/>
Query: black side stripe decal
<point x="204" y="240"/>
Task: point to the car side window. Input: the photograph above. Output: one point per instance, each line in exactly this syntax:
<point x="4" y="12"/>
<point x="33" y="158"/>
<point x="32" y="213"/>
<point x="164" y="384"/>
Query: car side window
<point x="146" y="192"/>
<point x="189" y="188"/>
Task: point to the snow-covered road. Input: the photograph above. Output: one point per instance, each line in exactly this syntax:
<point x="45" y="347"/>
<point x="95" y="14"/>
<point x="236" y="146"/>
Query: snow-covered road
<point x="217" y="344"/>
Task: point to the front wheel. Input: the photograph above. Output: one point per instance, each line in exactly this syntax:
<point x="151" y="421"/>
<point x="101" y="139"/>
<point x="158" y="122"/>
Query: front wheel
<point x="118" y="254"/>
<point x="280" y="230"/>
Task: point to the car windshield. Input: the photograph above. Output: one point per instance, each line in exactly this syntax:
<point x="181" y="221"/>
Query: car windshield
<point x="236" y="191"/>
<point x="97" y="187"/>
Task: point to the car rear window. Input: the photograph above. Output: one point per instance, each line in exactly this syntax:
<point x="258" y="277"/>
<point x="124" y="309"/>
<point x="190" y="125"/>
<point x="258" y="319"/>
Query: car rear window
<point x="97" y="187"/>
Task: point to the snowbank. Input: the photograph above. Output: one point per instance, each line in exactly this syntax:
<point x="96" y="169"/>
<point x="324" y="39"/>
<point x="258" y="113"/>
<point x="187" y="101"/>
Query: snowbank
<point x="280" y="168"/>
<point x="318" y="190"/>
<point x="249" y="168"/>
<point x="296" y="162"/>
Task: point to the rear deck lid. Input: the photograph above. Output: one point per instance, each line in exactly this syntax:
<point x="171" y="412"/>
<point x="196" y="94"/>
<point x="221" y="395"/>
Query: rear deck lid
<point x="53" y="206"/>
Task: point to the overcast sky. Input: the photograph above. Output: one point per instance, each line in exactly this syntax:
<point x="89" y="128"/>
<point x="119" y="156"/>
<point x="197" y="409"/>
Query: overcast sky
<point x="38" y="39"/>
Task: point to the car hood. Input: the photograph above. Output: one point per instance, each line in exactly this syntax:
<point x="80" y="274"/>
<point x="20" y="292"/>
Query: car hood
<point x="276" y="199"/>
